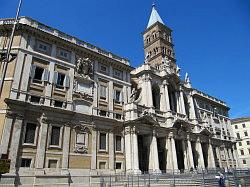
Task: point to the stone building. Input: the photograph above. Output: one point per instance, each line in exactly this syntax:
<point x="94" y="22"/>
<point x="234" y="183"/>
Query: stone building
<point x="69" y="108"/>
<point x="241" y="130"/>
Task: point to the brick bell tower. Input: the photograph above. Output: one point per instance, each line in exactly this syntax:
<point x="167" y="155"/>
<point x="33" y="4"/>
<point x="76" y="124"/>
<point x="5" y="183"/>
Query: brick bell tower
<point x="158" y="41"/>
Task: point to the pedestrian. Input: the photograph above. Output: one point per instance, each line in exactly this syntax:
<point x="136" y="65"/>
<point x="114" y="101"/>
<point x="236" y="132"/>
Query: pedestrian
<point x="221" y="180"/>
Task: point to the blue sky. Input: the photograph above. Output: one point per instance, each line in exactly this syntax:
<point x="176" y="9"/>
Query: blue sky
<point x="212" y="37"/>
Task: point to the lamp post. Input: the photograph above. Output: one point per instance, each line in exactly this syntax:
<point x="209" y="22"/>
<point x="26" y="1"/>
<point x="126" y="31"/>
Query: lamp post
<point x="6" y="57"/>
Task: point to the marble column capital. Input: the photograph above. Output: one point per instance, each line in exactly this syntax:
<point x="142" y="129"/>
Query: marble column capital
<point x="134" y="130"/>
<point x="165" y="83"/>
<point x="171" y="135"/>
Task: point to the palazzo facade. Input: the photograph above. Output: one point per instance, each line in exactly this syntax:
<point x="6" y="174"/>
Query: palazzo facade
<point x="69" y="108"/>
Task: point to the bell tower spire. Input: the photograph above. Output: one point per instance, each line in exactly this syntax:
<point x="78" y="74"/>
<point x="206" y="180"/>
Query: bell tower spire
<point x="158" y="40"/>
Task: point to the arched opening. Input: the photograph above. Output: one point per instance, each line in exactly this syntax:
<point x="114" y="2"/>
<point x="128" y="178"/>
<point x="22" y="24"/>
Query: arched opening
<point x="156" y="97"/>
<point x="172" y="98"/>
<point x="187" y="106"/>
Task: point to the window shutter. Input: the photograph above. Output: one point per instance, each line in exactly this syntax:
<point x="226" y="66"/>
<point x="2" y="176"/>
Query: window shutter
<point x="46" y="75"/>
<point x="55" y="77"/>
<point x="121" y="97"/>
<point x="66" y="81"/>
<point x="32" y="70"/>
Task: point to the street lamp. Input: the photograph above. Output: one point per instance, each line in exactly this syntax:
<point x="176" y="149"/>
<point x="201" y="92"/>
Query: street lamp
<point x="7" y="56"/>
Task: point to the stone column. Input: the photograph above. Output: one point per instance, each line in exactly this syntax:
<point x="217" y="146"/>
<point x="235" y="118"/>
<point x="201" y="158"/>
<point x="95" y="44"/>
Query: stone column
<point x="26" y="70"/>
<point x="183" y="143"/>
<point x="135" y="152"/>
<point x="182" y="103"/>
<point x="235" y="155"/>
<point x="211" y="160"/>
<point x="6" y="135"/>
<point x="192" y="108"/>
<point x="93" y="151"/>
<point x="111" y="98"/>
<point x="70" y="89"/>
<point x="111" y="152"/>
<point x="66" y="142"/>
<point x="15" y="142"/>
<point x="169" y="165"/>
<point x="173" y="151"/>
<point x="178" y="108"/>
<point x="190" y="153"/>
<point x="147" y="91"/>
<point x="41" y="146"/>
<point x="153" y="155"/>
<point x="128" y="152"/>
<point x="201" y="163"/>
<point x="166" y="95"/>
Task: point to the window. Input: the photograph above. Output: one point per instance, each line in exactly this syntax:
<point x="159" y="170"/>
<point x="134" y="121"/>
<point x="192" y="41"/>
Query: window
<point x="38" y="74"/>
<point x="118" y="165"/>
<point x="102" y="165"/>
<point x="103" y="113"/>
<point x="244" y="161"/>
<point x="117" y="96"/>
<point x="248" y="142"/>
<point x="30" y="133"/>
<point x="26" y="162"/>
<point x="242" y="152"/>
<point x="43" y="47"/>
<point x="34" y="99"/>
<point x="245" y="133"/>
<point x="52" y="163"/>
<point x="238" y="135"/>
<point x="240" y="144"/>
<point x="102" y="143"/>
<point x="118" y="116"/>
<point x="60" y="79"/>
<point x="103" y="92"/>
<point x="55" y="135"/>
<point x="58" y="104"/>
<point x="63" y="54"/>
<point x="117" y="73"/>
<point x="103" y="69"/>
<point x="118" y="143"/>
<point x="243" y="125"/>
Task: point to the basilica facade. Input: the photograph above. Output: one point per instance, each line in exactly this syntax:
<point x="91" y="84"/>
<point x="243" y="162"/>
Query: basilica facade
<point x="69" y="108"/>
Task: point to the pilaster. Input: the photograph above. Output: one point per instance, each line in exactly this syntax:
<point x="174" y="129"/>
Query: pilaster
<point x="111" y="151"/>
<point x="128" y="153"/>
<point x="6" y="134"/>
<point x="111" y="100"/>
<point x="94" y="147"/>
<point x="66" y="143"/>
<point x="41" y="146"/>
<point x="15" y="142"/>
<point x="135" y="166"/>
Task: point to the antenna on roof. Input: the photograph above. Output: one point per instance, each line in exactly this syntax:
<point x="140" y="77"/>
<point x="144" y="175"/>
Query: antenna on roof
<point x="8" y="52"/>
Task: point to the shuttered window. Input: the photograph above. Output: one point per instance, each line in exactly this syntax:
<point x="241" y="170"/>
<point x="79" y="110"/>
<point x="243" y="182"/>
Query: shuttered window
<point x="30" y="133"/>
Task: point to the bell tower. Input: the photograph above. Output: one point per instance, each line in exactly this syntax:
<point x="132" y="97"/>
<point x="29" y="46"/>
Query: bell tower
<point x="158" y="42"/>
